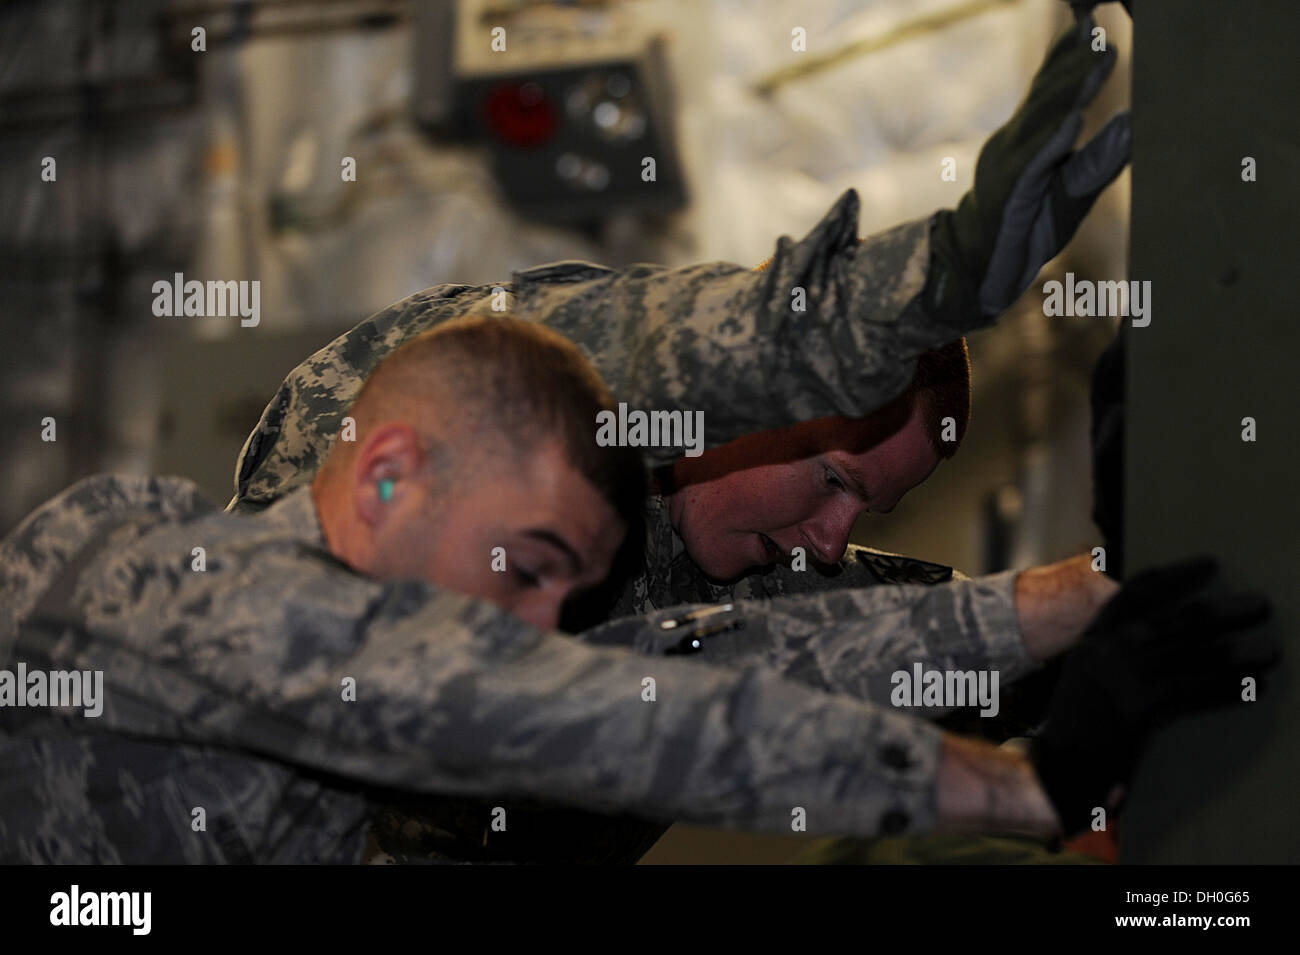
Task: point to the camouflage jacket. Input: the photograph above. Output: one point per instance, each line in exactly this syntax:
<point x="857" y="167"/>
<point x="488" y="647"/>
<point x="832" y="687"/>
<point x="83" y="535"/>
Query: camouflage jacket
<point x="832" y="327"/>
<point x="717" y="337"/>
<point x="226" y="690"/>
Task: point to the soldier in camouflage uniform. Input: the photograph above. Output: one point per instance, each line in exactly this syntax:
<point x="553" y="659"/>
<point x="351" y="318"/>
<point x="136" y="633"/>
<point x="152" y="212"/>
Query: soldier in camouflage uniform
<point x="224" y="685"/>
<point x="266" y="696"/>
<point x="223" y="693"/>
<point x="728" y="339"/>
<point x="725" y="339"/>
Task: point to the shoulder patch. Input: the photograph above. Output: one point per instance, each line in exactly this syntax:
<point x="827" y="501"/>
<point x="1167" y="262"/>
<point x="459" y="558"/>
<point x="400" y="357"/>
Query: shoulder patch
<point x="897" y="569"/>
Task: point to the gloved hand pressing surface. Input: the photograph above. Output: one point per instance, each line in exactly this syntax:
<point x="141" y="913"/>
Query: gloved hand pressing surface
<point x="1160" y="649"/>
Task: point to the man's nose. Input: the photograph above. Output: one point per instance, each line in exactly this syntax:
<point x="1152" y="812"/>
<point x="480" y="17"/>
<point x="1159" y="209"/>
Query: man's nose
<point x="828" y="532"/>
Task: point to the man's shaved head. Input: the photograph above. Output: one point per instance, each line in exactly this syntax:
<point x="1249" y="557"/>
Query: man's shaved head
<point x="481" y="392"/>
<point x="476" y="468"/>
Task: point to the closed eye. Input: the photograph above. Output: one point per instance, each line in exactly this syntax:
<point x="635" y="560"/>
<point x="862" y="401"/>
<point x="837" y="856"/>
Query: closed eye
<point x="526" y="577"/>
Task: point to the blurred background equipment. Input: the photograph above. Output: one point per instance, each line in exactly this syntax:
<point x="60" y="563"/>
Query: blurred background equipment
<point x="573" y="101"/>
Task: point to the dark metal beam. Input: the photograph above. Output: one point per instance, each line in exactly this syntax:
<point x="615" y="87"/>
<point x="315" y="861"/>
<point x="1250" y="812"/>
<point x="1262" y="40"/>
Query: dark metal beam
<point x="1213" y="84"/>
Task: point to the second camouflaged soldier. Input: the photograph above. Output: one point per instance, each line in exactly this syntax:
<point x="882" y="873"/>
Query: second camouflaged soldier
<point x="268" y="679"/>
<point x="726" y="340"/>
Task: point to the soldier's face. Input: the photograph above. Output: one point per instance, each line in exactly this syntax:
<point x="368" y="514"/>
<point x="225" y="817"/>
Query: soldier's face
<point x="751" y="502"/>
<point x="526" y="537"/>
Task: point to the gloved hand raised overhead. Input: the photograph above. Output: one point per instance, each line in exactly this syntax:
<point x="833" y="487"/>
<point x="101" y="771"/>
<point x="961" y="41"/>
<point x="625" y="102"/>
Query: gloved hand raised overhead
<point x="1032" y="188"/>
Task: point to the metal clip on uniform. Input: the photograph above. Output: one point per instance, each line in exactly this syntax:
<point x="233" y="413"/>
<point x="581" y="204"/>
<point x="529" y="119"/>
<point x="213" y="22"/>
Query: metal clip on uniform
<point x="693" y="641"/>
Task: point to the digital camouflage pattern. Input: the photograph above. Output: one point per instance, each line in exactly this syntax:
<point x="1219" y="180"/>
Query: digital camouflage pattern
<point x="713" y="337"/>
<point x="719" y="338"/>
<point x="223" y="686"/>
<point x="223" y="690"/>
<point x="820" y="642"/>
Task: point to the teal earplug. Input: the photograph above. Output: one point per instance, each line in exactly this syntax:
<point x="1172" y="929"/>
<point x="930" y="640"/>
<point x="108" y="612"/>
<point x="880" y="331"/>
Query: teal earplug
<point x="386" y="486"/>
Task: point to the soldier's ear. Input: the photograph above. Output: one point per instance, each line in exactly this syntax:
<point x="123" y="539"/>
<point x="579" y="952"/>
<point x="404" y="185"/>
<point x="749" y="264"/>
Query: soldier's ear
<point x="373" y="497"/>
<point x="389" y="457"/>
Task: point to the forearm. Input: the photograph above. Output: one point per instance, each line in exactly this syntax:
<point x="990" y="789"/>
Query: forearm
<point x="573" y="726"/>
<point x="986" y="788"/>
<point x="852" y="641"/>
<point x="1057" y="602"/>
<point x="401" y="686"/>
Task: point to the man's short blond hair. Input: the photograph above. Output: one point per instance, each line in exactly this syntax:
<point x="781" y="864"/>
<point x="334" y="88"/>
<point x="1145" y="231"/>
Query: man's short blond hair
<point x="488" y="389"/>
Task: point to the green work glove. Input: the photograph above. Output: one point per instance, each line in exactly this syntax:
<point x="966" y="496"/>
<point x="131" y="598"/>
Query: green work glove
<point x="1032" y="188"/>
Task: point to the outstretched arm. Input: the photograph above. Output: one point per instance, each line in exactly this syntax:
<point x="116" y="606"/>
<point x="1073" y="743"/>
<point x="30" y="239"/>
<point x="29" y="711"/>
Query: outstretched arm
<point x="278" y="652"/>
<point x="852" y="640"/>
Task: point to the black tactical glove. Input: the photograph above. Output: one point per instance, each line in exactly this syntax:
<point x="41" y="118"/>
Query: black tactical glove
<point x="1032" y="189"/>
<point x="1160" y="649"/>
<point x="1108" y="453"/>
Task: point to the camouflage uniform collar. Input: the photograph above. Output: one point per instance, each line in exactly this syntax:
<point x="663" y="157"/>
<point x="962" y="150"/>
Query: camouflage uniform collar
<point x="296" y="513"/>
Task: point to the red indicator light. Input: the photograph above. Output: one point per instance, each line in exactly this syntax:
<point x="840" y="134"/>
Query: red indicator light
<point x="520" y="114"/>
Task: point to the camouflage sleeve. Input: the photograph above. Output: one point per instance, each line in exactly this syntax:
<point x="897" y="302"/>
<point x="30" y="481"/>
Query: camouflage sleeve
<point x="847" y="640"/>
<point x="833" y="326"/>
<point x="281" y="652"/>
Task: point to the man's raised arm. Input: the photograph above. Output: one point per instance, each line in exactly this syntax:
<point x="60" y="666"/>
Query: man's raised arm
<point x="832" y="327"/>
